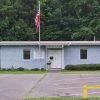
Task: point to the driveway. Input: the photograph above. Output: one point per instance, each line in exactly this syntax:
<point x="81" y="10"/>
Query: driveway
<point x="17" y="87"/>
<point x="66" y="85"/>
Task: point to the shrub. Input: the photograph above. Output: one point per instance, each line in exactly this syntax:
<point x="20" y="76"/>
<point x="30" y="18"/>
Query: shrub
<point x="35" y="69"/>
<point x="3" y="69"/>
<point x="43" y="69"/>
<point x="83" y="67"/>
<point x="20" y="69"/>
<point x="8" y="69"/>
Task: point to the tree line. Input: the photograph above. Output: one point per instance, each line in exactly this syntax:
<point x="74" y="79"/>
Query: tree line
<point x="61" y="20"/>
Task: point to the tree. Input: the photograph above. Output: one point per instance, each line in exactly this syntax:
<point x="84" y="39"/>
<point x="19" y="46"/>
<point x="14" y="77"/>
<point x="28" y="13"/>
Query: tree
<point x="60" y="19"/>
<point x="16" y="20"/>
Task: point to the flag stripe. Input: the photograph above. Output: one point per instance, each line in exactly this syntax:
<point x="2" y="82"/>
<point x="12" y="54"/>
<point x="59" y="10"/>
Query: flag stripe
<point x="37" y="20"/>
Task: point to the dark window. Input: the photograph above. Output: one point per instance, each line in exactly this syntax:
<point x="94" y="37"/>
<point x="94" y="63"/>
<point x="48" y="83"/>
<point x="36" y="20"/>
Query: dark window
<point x="83" y="54"/>
<point x="26" y="53"/>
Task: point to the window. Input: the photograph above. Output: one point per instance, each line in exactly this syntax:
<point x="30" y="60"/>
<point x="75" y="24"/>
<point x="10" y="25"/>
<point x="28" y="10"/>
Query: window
<point x="83" y="54"/>
<point x="26" y="54"/>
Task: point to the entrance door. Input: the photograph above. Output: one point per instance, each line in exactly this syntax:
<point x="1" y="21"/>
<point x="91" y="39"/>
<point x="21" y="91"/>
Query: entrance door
<point x="55" y="56"/>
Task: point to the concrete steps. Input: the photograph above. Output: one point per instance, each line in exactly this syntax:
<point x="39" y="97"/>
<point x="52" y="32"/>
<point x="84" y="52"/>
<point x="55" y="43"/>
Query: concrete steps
<point x="54" y="69"/>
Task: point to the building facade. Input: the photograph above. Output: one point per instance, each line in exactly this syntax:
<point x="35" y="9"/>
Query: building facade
<point x="52" y="54"/>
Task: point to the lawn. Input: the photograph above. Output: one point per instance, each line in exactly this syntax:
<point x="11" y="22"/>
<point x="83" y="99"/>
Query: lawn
<point x="80" y="72"/>
<point x="63" y="99"/>
<point x="22" y="72"/>
<point x="43" y="72"/>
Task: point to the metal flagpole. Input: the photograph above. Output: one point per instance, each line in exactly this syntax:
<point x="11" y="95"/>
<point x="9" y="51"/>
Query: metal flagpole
<point x="94" y="37"/>
<point x="39" y="34"/>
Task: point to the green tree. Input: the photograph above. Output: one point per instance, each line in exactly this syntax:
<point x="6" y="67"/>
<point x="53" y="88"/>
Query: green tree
<point x="60" y="20"/>
<point x="16" y="20"/>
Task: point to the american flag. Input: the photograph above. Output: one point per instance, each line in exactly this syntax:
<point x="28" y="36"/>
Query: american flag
<point x="37" y="20"/>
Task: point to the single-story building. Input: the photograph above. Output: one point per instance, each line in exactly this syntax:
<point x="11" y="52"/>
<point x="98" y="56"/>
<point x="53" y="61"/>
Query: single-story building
<point x="52" y="55"/>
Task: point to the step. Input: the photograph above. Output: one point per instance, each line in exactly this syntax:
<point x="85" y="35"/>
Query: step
<point x="54" y="69"/>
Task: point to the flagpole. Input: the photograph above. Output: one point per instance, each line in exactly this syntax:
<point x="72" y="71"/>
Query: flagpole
<point x="39" y="34"/>
<point x="94" y="37"/>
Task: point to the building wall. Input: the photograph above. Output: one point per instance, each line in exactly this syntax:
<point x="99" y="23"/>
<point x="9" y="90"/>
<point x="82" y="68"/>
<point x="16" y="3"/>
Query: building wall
<point x="72" y="55"/>
<point x="12" y="56"/>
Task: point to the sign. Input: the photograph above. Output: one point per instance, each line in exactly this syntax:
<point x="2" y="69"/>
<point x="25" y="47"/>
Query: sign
<point x="39" y="55"/>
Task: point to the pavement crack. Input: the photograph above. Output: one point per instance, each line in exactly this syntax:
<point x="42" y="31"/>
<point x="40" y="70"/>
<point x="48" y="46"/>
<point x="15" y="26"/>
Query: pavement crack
<point x="27" y="96"/>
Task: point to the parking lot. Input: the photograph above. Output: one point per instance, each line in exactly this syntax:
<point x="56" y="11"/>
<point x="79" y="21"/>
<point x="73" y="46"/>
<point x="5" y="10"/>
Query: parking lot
<point x="66" y="85"/>
<point x="17" y="87"/>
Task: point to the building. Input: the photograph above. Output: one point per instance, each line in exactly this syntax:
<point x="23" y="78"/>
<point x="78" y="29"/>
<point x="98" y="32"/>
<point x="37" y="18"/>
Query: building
<point x="52" y="55"/>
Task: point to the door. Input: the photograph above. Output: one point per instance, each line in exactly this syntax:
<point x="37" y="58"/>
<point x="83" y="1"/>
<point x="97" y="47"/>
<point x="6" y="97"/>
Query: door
<point x="55" y="57"/>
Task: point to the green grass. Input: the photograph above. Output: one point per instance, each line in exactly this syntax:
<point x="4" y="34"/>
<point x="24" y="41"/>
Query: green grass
<point x="22" y="72"/>
<point x="55" y="99"/>
<point x="63" y="99"/>
<point x="80" y="72"/>
<point x="43" y="72"/>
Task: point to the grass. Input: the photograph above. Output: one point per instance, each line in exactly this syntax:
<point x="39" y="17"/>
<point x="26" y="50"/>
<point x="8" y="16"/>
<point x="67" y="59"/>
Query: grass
<point x="62" y="99"/>
<point x="43" y="72"/>
<point x="80" y="72"/>
<point x="22" y="72"/>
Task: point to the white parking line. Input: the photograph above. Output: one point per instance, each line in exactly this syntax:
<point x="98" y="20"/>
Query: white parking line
<point x="81" y="82"/>
<point x="76" y="79"/>
<point x="69" y="88"/>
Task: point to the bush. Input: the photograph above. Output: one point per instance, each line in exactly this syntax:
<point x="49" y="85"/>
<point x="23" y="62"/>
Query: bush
<point x="20" y="69"/>
<point x="3" y="69"/>
<point x="8" y="69"/>
<point x="43" y="69"/>
<point x="35" y="69"/>
<point x="83" y="67"/>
